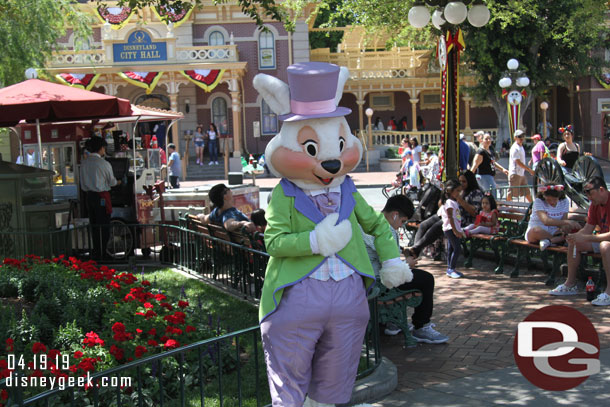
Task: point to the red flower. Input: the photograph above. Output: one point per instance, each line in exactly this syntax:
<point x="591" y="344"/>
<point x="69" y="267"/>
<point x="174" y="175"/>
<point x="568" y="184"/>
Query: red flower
<point x="53" y="354"/>
<point x="152" y="332"/>
<point x="138" y="331"/>
<point x="37" y="373"/>
<point x="78" y="354"/>
<point x="118" y="327"/>
<point x="3" y="394"/>
<point x="190" y="328"/>
<point x="160" y="297"/>
<point x="92" y="339"/>
<point x="167" y="306"/>
<point x="148" y="305"/>
<point x="152" y="342"/>
<point x="86" y="364"/>
<point x="145" y="283"/>
<point x="116" y="352"/>
<point x="183" y="304"/>
<point x="171" y="344"/>
<point x="150" y="314"/>
<point x="39" y="347"/>
<point x="9" y="345"/>
<point x="120" y="337"/>
<point x="140" y="350"/>
<point x="3" y="364"/>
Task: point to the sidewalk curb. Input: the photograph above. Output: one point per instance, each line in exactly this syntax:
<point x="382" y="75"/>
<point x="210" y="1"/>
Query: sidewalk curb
<point x="377" y="385"/>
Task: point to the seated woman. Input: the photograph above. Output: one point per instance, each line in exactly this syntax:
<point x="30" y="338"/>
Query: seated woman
<point x="549" y="220"/>
<point x="224" y="212"/>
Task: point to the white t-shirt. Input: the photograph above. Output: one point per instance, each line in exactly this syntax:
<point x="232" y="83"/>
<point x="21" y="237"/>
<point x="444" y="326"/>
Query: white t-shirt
<point x="416" y="156"/>
<point x="457" y="218"/>
<point x="517" y="152"/>
<point x="553" y="212"/>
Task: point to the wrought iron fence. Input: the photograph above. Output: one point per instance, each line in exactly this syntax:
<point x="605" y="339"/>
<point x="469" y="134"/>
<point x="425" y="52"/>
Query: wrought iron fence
<point x="238" y="268"/>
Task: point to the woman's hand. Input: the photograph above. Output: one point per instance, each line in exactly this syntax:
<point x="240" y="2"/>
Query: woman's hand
<point x="570" y="225"/>
<point x="459" y="235"/>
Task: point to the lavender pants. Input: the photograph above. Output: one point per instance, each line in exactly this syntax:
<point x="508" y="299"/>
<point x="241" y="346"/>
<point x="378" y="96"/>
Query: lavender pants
<point x="312" y="342"/>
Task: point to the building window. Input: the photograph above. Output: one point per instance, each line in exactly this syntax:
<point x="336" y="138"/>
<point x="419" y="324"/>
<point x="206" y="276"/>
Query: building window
<point x="216" y="38"/>
<point x="219" y="115"/>
<point x="269" y="120"/>
<point x="430" y="100"/>
<point x="266" y="50"/>
<point x="381" y="101"/>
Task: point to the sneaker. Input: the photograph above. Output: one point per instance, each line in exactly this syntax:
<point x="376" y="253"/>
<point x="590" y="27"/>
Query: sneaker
<point x="602" y="300"/>
<point x="216" y="162"/>
<point x="198" y="161"/>
<point x="392" y="329"/>
<point x="544" y="243"/>
<point x="563" y="289"/>
<point x="428" y="334"/>
<point x="454" y="274"/>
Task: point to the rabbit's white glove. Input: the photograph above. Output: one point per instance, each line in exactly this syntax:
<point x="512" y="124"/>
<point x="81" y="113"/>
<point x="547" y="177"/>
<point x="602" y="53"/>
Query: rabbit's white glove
<point x="327" y="238"/>
<point x="395" y="272"/>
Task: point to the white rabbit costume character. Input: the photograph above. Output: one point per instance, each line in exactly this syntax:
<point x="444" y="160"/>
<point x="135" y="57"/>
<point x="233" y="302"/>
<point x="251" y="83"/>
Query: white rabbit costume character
<point x="314" y="310"/>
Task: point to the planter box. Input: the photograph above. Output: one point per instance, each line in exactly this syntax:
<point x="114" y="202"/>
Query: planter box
<point x="390" y="164"/>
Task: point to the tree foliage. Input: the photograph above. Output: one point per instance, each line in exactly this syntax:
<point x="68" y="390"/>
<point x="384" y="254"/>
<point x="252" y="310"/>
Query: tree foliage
<point x="257" y="10"/>
<point x="29" y="30"/>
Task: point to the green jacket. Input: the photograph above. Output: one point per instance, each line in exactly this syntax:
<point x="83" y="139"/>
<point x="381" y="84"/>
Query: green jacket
<point x="291" y="216"/>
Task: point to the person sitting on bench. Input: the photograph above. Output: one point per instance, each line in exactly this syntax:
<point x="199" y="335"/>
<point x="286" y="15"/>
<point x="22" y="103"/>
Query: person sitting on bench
<point x="225" y="213"/>
<point x="585" y="241"/>
<point x="398" y="210"/>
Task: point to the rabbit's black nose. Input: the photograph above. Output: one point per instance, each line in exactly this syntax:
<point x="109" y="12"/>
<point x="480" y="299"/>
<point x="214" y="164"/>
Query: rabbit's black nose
<point x="332" y="166"/>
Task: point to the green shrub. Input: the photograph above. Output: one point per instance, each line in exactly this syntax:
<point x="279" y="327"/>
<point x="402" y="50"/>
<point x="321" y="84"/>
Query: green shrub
<point x="23" y="332"/>
<point x="392" y="152"/>
<point x="69" y="336"/>
<point x="8" y="286"/>
<point x="434" y="149"/>
<point x="29" y="284"/>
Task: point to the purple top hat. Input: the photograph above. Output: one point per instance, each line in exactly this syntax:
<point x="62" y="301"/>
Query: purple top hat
<point x="313" y="86"/>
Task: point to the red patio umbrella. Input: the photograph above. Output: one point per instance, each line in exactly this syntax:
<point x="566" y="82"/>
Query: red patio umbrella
<point x="40" y="101"/>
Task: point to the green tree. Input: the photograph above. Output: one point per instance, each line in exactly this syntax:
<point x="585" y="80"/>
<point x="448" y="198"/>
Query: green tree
<point x="29" y="31"/>
<point x="554" y="40"/>
<point x="255" y="9"/>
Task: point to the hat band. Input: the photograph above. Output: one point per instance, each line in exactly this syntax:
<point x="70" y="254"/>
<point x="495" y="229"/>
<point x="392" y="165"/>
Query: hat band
<point x="311" y="108"/>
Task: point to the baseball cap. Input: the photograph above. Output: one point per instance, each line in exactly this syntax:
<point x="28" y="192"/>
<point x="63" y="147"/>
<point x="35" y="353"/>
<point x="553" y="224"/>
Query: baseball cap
<point x="479" y="133"/>
<point x="519" y="133"/>
<point x="462" y="136"/>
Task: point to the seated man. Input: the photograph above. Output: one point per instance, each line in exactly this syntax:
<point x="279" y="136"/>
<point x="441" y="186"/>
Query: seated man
<point x="224" y="212"/>
<point x="398" y="210"/>
<point x="585" y="241"/>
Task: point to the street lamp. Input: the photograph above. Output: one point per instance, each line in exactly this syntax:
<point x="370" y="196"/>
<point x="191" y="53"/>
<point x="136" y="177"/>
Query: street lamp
<point x="447" y="15"/>
<point x="511" y="81"/>
<point x="544" y="106"/>
<point x="369" y="114"/>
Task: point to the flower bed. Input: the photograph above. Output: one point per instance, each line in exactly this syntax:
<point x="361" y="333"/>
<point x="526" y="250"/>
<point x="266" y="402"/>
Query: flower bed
<point x="77" y="317"/>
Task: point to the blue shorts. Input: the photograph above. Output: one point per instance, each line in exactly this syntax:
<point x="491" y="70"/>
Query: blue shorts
<point x="199" y="143"/>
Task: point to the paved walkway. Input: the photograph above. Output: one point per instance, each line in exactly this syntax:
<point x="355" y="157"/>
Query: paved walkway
<point x="476" y="367"/>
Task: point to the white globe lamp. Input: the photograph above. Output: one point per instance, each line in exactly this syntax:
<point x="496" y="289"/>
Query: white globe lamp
<point x="437" y="18"/>
<point x="456" y="12"/>
<point x="512" y="64"/>
<point x="505" y="82"/>
<point x="478" y="15"/>
<point x="31" y="73"/>
<point x="419" y="15"/>
<point x="523" y="82"/>
<point x="544" y="105"/>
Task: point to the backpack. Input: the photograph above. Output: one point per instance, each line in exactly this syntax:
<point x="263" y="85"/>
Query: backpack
<point x="428" y="202"/>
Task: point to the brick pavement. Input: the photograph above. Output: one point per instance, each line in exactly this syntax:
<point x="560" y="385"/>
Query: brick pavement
<point x="479" y="313"/>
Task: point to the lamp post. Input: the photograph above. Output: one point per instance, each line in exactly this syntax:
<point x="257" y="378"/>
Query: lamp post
<point x="544" y="106"/>
<point x="447" y="16"/>
<point x="369" y="114"/>
<point x="513" y="84"/>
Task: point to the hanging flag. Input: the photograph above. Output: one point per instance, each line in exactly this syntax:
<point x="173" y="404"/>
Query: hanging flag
<point x="604" y="79"/>
<point x="116" y="16"/>
<point x="78" y="80"/>
<point x="167" y="15"/>
<point x="206" y="79"/>
<point x="146" y="80"/>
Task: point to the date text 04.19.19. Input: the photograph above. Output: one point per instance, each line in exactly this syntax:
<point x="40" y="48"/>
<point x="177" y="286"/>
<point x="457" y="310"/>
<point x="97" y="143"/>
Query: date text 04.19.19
<point x="39" y="362"/>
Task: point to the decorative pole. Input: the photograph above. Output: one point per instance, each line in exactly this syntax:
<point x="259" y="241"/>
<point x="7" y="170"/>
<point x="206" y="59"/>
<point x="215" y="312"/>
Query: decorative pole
<point x="446" y="18"/>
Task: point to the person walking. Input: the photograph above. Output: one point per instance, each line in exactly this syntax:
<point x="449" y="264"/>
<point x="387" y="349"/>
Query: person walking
<point x="97" y="178"/>
<point x="568" y="151"/>
<point x="175" y="166"/>
<point x="213" y="144"/>
<point x="517" y="168"/>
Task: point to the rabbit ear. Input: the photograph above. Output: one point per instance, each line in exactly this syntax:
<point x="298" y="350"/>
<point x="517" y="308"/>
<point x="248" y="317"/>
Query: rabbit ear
<point x="275" y="92"/>
<point x="343" y="77"/>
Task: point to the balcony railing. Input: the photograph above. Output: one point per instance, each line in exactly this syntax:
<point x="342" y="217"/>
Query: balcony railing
<point x="97" y="57"/>
<point x="430" y="137"/>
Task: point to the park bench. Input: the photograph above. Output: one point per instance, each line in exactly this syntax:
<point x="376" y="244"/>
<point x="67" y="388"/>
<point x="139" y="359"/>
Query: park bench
<point x="558" y="253"/>
<point x="512" y="217"/>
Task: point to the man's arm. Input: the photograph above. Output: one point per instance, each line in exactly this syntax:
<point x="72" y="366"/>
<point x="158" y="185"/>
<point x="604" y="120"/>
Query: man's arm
<point x="233" y="225"/>
<point x="525" y="167"/>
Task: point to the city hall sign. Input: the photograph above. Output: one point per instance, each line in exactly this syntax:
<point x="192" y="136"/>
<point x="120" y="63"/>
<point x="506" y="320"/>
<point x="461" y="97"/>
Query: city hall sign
<point x="140" y="48"/>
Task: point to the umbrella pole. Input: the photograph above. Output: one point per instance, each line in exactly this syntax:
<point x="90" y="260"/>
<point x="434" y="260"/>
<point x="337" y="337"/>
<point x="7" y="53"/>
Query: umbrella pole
<point x="39" y="143"/>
